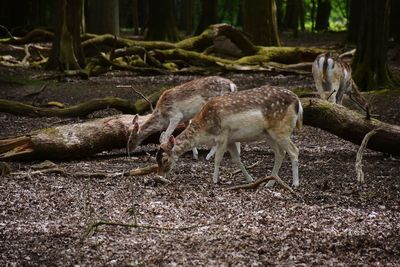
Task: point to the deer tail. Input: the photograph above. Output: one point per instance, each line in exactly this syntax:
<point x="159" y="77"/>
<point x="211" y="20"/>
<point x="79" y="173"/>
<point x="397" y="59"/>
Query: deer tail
<point x="299" y="121"/>
<point x="233" y="87"/>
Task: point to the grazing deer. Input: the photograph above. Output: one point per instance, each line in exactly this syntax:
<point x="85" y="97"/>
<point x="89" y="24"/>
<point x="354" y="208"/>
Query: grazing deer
<point x="178" y="105"/>
<point x="250" y="115"/>
<point x="333" y="80"/>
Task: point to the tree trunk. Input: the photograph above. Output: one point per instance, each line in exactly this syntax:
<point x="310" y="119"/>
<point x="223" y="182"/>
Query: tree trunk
<point x="103" y="17"/>
<point x="209" y="15"/>
<point x="260" y="22"/>
<point x="354" y="20"/>
<point x="294" y="15"/>
<point x="66" y="52"/>
<point x="370" y="61"/>
<point x="85" y="139"/>
<point x="162" y="25"/>
<point x="323" y="13"/>
<point x="187" y="15"/>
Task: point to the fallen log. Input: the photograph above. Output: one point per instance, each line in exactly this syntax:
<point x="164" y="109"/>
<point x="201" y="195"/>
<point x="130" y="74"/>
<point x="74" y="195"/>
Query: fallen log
<point x="350" y="125"/>
<point x="85" y="139"/>
<point x="80" y="110"/>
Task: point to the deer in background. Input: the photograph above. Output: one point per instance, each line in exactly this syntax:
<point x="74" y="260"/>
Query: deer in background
<point x="333" y="80"/>
<point x="177" y="105"/>
<point x="262" y="113"/>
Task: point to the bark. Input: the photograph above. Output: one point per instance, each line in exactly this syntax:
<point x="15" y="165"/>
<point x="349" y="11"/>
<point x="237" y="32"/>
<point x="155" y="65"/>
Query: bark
<point x="354" y="20"/>
<point x="162" y="25"/>
<point x="85" y="139"/>
<point x="66" y="51"/>
<point x="370" y="69"/>
<point x="187" y="15"/>
<point x="260" y="22"/>
<point x="351" y="126"/>
<point x="323" y="13"/>
<point x="209" y="14"/>
<point x="103" y="17"/>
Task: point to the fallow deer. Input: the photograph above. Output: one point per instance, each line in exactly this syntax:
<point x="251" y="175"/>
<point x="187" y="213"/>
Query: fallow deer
<point x="265" y="112"/>
<point x="333" y="80"/>
<point x="177" y="105"/>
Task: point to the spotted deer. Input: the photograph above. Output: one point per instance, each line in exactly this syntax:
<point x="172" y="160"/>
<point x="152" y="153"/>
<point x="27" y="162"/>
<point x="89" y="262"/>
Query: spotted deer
<point x="177" y="105"/>
<point x="333" y="80"/>
<point x="265" y="112"/>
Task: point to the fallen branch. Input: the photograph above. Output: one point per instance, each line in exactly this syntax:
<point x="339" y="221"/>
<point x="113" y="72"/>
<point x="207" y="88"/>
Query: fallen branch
<point x="249" y="167"/>
<point x="143" y="171"/>
<point x="260" y="181"/>
<point x="358" y="165"/>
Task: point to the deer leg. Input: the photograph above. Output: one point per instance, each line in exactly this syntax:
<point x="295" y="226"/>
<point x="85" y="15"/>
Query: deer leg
<point x="214" y="148"/>
<point x="211" y="153"/>
<point x="293" y="152"/>
<point x="235" y="154"/>
<point x="237" y="144"/>
<point x="279" y="155"/>
<point x="173" y="123"/>
<point x="195" y="153"/>
<point x="219" y="153"/>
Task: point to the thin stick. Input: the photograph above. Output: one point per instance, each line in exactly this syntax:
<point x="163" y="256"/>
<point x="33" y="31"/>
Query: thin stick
<point x="139" y="93"/>
<point x="143" y="171"/>
<point x="358" y="165"/>
<point x="260" y="181"/>
<point x="251" y="166"/>
<point x="7" y="31"/>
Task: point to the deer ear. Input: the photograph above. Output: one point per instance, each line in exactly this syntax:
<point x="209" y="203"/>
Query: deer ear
<point x="135" y="119"/>
<point x="136" y="127"/>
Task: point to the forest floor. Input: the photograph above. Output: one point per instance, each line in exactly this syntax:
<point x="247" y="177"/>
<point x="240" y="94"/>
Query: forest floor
<point x="332" y="222"/>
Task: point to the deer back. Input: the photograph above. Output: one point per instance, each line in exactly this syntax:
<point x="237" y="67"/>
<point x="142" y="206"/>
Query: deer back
<point x="246" y="115"/>
<point x="190" y="97"/>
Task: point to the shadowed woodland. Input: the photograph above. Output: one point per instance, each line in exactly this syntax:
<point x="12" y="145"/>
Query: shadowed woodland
<point x="82" y="84"/>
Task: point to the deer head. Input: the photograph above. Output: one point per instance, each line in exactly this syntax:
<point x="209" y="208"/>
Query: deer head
<point x="177" y="105"/>
<point x="165" y="157"/>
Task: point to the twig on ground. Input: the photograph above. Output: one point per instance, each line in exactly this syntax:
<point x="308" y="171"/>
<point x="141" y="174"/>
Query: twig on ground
<point x="143" y="171"/>
<point x="358" y="165"/>
<point x="260" y="181"/>
<point x="249" y="167"/>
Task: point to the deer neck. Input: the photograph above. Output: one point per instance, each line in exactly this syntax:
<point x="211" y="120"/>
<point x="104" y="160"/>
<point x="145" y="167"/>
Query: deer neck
<point x="155" y="123"/>
<point x="188" y="139"/>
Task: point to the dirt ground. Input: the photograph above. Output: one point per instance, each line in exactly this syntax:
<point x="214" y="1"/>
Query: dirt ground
<point x="44" y="218"/>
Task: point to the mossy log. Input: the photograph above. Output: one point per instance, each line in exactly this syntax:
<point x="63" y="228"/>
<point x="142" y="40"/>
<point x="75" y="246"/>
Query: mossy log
<point x="350" y="125"/>
<point x="82" y="109"/>
<point x="85" y="139"/>
<point x="36" y="35"/>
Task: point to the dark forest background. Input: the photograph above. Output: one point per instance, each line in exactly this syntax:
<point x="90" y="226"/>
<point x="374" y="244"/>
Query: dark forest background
<point x="371" y="25"/>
